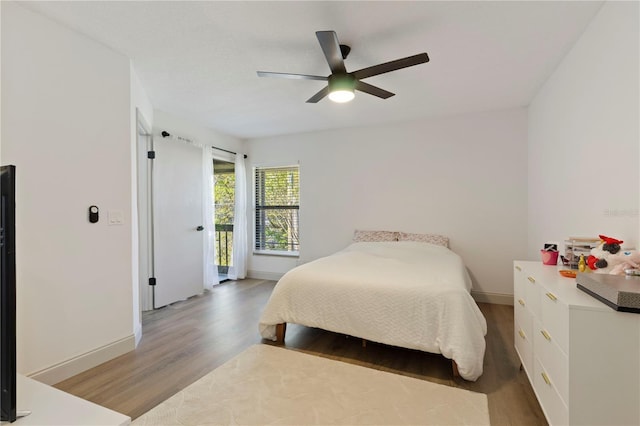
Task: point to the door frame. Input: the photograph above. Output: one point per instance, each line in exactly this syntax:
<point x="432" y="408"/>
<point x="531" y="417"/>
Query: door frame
<point x="144" y="144"/>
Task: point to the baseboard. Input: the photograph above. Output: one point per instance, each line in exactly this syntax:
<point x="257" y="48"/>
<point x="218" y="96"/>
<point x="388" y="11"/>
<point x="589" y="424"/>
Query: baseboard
<point x="264" y="275"/>
<point x="80" y="363"/>
<point x="494" y="298"/>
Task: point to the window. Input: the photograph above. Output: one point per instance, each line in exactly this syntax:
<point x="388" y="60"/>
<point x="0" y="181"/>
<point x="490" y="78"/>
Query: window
<point x="277" y="195"/>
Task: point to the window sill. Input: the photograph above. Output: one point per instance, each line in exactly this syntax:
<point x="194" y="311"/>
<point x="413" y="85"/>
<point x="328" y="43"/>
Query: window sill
<point x="276" y="253"/>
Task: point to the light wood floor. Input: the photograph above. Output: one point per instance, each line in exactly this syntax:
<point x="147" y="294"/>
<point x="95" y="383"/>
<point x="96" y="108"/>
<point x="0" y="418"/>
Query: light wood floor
<point x="188" y="339"/>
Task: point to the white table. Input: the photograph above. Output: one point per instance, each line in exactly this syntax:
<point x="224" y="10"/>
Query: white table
<point x="52" y="407"/>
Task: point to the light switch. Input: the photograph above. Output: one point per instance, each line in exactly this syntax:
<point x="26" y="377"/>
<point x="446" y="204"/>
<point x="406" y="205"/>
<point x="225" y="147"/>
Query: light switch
<point x="116" y="217"/>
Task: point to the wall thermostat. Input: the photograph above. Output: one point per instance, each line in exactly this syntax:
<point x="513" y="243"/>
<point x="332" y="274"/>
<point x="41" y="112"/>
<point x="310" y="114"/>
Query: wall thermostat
<point x="93" y="214"/>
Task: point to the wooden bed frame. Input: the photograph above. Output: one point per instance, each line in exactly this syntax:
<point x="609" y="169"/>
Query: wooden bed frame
<point x="281" y="330"/>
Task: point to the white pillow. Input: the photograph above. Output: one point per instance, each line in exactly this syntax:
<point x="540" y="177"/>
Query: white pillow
<point x="374" y="236"/>
<point x="439" y="240"/>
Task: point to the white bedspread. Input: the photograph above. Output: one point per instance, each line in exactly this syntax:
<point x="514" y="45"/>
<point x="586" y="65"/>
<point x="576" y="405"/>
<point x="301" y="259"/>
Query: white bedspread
<point x="408" y="294"/>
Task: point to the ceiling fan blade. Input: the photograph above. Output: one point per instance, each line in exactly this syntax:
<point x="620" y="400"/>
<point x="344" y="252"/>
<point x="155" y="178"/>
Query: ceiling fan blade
<point x="409" y="61"/>
<point x="321" y="94"/>
<point x="292" y="76"/>
<point x="331" y="48"/>
<point x="373" y="90"/>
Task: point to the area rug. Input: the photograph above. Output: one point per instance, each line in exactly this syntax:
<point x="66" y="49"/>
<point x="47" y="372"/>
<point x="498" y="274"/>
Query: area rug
<point x="268" y="385"/>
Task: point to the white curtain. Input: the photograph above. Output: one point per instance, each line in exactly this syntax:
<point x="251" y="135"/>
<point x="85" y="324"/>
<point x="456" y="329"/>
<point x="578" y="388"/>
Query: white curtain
<point x="209" y="263"/>
<point x="240" y="249"/>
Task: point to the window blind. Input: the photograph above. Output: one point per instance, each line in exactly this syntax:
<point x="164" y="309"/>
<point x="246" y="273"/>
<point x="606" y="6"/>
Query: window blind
<point x="277" y="201"/>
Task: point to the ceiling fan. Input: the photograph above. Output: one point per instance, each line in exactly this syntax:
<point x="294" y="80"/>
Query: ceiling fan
<point x="341" y="84"/>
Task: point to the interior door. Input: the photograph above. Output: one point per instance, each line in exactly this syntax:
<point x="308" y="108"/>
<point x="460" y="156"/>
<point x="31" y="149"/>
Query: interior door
<point x="177" y="221"/>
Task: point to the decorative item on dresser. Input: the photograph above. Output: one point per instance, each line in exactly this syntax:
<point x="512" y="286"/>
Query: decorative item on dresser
<point x="581" y="357"/>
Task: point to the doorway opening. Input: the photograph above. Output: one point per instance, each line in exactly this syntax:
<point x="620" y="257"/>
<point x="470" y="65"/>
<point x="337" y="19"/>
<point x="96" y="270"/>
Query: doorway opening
<point x="224" y="188"/>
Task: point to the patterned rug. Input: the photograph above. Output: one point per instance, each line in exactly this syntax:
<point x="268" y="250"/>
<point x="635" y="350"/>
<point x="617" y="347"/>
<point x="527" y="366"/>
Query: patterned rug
<point x="268" y="385"/>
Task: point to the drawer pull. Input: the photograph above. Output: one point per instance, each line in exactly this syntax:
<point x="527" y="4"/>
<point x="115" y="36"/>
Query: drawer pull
<point x="518" y="268"/>
<point x="521" y="333"/>
<point x="552" y="296"/>
<point x="546" y="378"/>
<point x="531" y="279"/>
<point x="521" y="302"/>
<point x="546" y="335"/>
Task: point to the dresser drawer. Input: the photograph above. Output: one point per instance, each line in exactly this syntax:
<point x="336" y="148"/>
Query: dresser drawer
<point x="550" y="401"/>
<point x="520" y="284"/>
<point x="519" y="290"/>
<point x="524" y="347"/>
<point x="555" y="319"/>
<point x="554" y="362"/>
<point x="532" y="295"/>
<point x="521" y="313"/>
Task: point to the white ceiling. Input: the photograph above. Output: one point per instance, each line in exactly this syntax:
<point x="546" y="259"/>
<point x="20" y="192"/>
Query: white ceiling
<point x="198" y="60"/>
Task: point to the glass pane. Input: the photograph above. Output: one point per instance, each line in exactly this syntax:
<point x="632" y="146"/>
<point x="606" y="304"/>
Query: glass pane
<point x="281" y="230"/>
<point x="281" y="187"/>
<point x="224" y="190"/>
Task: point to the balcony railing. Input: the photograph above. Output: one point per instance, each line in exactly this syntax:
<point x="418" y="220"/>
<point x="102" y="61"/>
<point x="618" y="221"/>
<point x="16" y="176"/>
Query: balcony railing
<point x="224" y="247"/>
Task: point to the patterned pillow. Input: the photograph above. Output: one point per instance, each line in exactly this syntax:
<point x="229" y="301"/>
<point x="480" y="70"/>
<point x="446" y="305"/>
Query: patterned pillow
<point x="439" y="240"/>
<point x="370" y="236"/>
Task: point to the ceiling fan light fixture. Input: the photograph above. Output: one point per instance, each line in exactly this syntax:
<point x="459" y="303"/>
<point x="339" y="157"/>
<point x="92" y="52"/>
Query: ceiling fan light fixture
<point x="341" y="87"/>
<point x="341" y="96"/>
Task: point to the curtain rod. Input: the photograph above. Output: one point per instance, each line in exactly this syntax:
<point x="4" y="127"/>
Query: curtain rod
<point x="166" y="134"/>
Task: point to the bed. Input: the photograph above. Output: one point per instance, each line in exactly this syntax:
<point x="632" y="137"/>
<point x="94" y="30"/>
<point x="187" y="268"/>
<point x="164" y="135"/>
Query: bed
<point x="411" y="294"/>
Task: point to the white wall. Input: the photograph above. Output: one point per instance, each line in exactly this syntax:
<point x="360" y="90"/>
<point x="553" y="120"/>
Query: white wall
<point x="66" y="125"/>
<point x="464" y="177"/>
<point x="584" y="137"/>
<point x="180" y="126"/>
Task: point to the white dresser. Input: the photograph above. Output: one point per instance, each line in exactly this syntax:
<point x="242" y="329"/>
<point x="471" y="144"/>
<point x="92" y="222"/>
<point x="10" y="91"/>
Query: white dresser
<point x="582" y="357"/>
